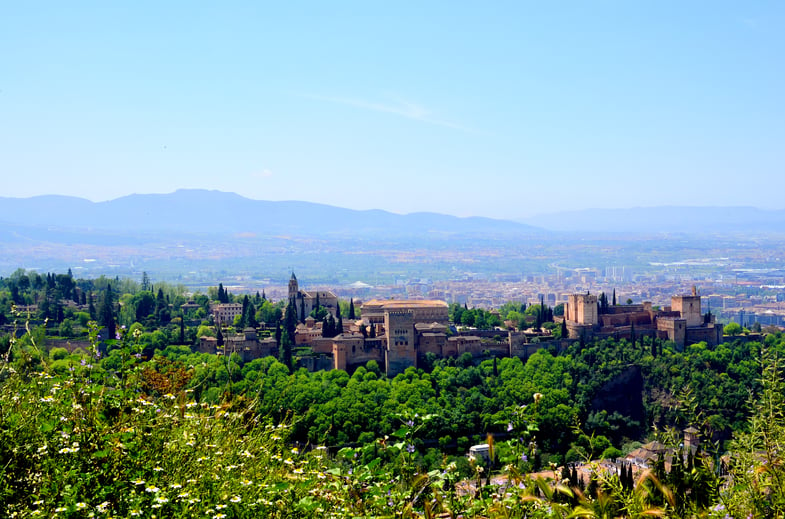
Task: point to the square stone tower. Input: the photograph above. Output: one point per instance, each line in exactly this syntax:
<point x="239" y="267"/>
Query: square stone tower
<point x="582" y="309"/>
<point x="689" y="307"/>
<point x="399" y="331"/>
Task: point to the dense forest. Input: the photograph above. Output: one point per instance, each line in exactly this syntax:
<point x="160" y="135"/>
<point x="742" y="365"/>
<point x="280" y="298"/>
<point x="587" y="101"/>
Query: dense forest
<point x="553" y="409"/>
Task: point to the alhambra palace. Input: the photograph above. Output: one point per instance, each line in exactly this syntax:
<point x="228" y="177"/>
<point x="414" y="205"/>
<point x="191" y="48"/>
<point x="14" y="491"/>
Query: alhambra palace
<point x="400" y="333"/>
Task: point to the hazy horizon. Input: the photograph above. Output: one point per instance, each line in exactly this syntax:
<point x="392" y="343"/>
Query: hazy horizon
<point x="518" y="219"/>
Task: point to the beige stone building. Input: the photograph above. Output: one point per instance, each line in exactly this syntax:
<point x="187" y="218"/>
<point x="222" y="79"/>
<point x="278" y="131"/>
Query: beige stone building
<point x="247" y="345"/>
<point x="306" y="301"/>
<point x="423" y="310"/>
<point x="224" y="313"/>
<point x="682" y="322"/>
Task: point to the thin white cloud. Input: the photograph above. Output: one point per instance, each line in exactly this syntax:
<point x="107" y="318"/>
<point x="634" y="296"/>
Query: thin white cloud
<point x="265" y="173"/>
<point x="399" y="107"/>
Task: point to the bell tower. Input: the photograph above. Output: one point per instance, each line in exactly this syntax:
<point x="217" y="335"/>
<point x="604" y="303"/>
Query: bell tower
<point x="294" y="289"/>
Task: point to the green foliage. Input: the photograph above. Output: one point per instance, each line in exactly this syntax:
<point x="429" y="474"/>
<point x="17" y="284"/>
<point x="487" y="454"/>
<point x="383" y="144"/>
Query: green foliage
<point x="476" y="317"/>
<point x="732" y="329"/>
<point x="58" y="353"/>
<point x="78" y="431"/>
<point x="758" y="460"/>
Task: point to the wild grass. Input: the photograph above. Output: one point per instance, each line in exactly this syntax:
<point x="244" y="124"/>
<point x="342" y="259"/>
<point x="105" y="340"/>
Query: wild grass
<point x="79" y="441"/>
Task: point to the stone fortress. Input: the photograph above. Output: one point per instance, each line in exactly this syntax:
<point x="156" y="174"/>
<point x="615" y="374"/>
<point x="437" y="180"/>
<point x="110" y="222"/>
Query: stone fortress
<point x="682" y="322"/>
<point x="400" y="333"/>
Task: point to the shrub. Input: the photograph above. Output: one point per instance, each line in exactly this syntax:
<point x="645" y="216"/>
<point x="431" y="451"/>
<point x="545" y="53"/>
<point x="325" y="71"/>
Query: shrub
<point x="58" y="353"/>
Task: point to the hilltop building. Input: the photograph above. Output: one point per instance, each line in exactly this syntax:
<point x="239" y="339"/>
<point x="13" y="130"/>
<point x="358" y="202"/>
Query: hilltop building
<point x="224" y="313"/>
<point x="682" y="322"/>
<point x="307" y="301"/>
<point x="403" y="333"/>
<point x="422" y="310"/>
<point x="395" y="333"/>
<point x="247" y="345"/>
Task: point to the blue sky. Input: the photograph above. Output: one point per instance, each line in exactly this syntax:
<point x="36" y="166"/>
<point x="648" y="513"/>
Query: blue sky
<point x="501" y="109"/>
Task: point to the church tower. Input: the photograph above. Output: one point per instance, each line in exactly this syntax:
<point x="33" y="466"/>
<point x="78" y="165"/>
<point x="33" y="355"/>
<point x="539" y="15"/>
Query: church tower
<point x="294" y="289"/>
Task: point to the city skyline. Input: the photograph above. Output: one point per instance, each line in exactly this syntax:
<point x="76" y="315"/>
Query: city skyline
<point x="506" y="111"/>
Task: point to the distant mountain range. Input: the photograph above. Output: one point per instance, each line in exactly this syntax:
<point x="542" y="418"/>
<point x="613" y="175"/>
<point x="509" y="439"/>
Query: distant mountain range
<point x="665" y="219"/>
<point x="195" y="211"/>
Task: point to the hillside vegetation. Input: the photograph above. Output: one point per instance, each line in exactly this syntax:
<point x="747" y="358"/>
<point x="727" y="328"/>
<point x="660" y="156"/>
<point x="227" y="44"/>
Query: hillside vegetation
<point x="181" y="435"/>
<point x="139" y="425"/>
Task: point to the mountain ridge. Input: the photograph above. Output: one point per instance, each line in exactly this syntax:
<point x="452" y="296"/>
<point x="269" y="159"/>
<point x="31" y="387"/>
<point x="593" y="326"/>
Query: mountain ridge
<point x="204" y="211"/>
<point x="207" y="211"/>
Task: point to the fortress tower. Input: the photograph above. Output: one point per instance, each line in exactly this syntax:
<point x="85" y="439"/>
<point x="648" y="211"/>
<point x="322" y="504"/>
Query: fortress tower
<point x="689" y="307"/>
<point x="581" y="309"/>
<point x="399" y="330"/>
<point x="581" y="315"/>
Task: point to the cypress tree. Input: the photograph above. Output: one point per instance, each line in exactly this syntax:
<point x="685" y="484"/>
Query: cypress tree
<point x="614" y="297"/>
<point x="285" y="352"/>
<point x="290" y="320"/>
<point x="302" y="309"/>
<point x="564" y="332"/>
<point x="325" y="327"/>
<point x="160" y="303"/>
<point x="15" y="295"/>
<point x="182" y="328"/>
<point x="106" y="313"/>
<point x="339" y="325"/>
<point x="351" y="310"/>
<point x="541" y="312"/>
<point x="243" y="321"/>
<point x="331" y="324"/>
<point x="220" y="336"/>
<point x="91" y="309"/>
<point x="250" y="316"/>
